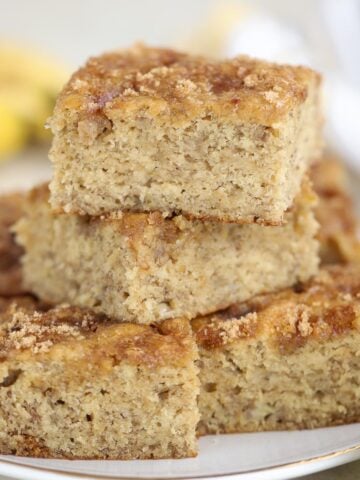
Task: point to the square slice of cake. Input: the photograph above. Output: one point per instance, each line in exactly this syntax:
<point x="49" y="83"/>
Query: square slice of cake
<point x="151" y="129"/>
<point x="288" y="360"/>
<point x="146" y="268"/>
<point x="74" y="384"/>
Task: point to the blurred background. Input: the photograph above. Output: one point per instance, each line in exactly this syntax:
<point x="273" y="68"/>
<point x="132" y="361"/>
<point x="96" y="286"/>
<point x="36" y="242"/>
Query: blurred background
<point x="43" y="41"/>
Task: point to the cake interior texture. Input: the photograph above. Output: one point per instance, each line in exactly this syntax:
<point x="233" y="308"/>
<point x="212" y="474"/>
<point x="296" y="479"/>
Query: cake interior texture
<point x="145" y="268"/>
<point x="73" y="384"/>
<point x="76" y="384"/>
<point x="283" y="361"/>
<point x="152" y="129"/>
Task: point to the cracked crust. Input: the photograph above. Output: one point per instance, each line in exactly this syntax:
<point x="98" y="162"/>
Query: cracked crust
<point x="28" y="327"/>
<point x="170" y="83"/>
<point x="323" y="308"/>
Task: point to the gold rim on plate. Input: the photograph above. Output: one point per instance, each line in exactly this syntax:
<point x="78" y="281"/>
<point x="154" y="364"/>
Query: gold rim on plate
<point x="228" y="475"/>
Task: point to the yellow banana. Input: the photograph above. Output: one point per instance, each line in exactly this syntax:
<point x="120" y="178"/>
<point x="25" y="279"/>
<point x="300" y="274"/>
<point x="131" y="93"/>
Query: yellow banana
<point x="27" y="65"/>
<point x="29" y="83"/>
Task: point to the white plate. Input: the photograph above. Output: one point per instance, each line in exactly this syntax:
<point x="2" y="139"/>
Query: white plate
<point x="265" y="456"/>
<point x="269" y="456"/>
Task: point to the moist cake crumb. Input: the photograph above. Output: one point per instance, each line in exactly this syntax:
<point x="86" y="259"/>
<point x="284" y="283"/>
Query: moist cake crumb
<point x="297" y="367"/>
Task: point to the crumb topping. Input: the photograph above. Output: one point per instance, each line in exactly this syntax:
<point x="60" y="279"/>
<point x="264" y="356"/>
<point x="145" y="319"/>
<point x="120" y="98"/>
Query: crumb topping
<point x="162" y="82"/>
<point x="218" y="332"/>
<point x="323" y="308"/>
<point x="27" y="327"/>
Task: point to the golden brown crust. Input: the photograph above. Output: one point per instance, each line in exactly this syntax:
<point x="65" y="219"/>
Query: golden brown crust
<point x="143" y="216"/>
<point x="336" y="419"/>
<point x="27" y="446"/>
<point x="130" y="224"/>
<point x="229" y="219"/>
<point x="162" y="83"/>
<point x="30" y="446"/>
<point x="339" y="234"/>
<point x="30" y="327"/>
<point x="10" y="269"/>
<point x="133" y="225"/>
<point x="323" y="308"/>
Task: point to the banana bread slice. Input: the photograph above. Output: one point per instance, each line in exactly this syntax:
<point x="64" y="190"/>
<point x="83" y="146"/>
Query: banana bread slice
<point x="10" y="252"/>
<point x="146" y="268"/>
<point x="74" y="384"/>
<point x="288" y="360"/>
<point x="152" y="129"/>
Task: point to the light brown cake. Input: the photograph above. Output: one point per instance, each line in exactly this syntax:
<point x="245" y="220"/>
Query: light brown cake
<point x="145" y="268"/>
<point x="339" y="233"/>
<point x="73" y="384"/>
<point x="150" y="129"/>
<point x="288" y="360"/>
<point x="10" y="252"/>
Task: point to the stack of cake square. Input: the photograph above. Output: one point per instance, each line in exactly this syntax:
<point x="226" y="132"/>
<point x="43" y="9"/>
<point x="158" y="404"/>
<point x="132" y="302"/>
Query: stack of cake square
<point x="180" y="186"/>
<point x="180" y="189"/>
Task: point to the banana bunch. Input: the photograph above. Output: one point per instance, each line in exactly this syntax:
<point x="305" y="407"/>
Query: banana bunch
<point x="29" y="83"/>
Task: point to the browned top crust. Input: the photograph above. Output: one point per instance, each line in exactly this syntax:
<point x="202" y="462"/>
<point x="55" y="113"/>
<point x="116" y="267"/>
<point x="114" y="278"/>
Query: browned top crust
<point x="164" y="83"/>
<point x="339" y="233"/>
<point x="29" y="328"/>
<point x="11" y="207"/>
<point x="322" y="309"/>
<point x="131" y="225"/>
